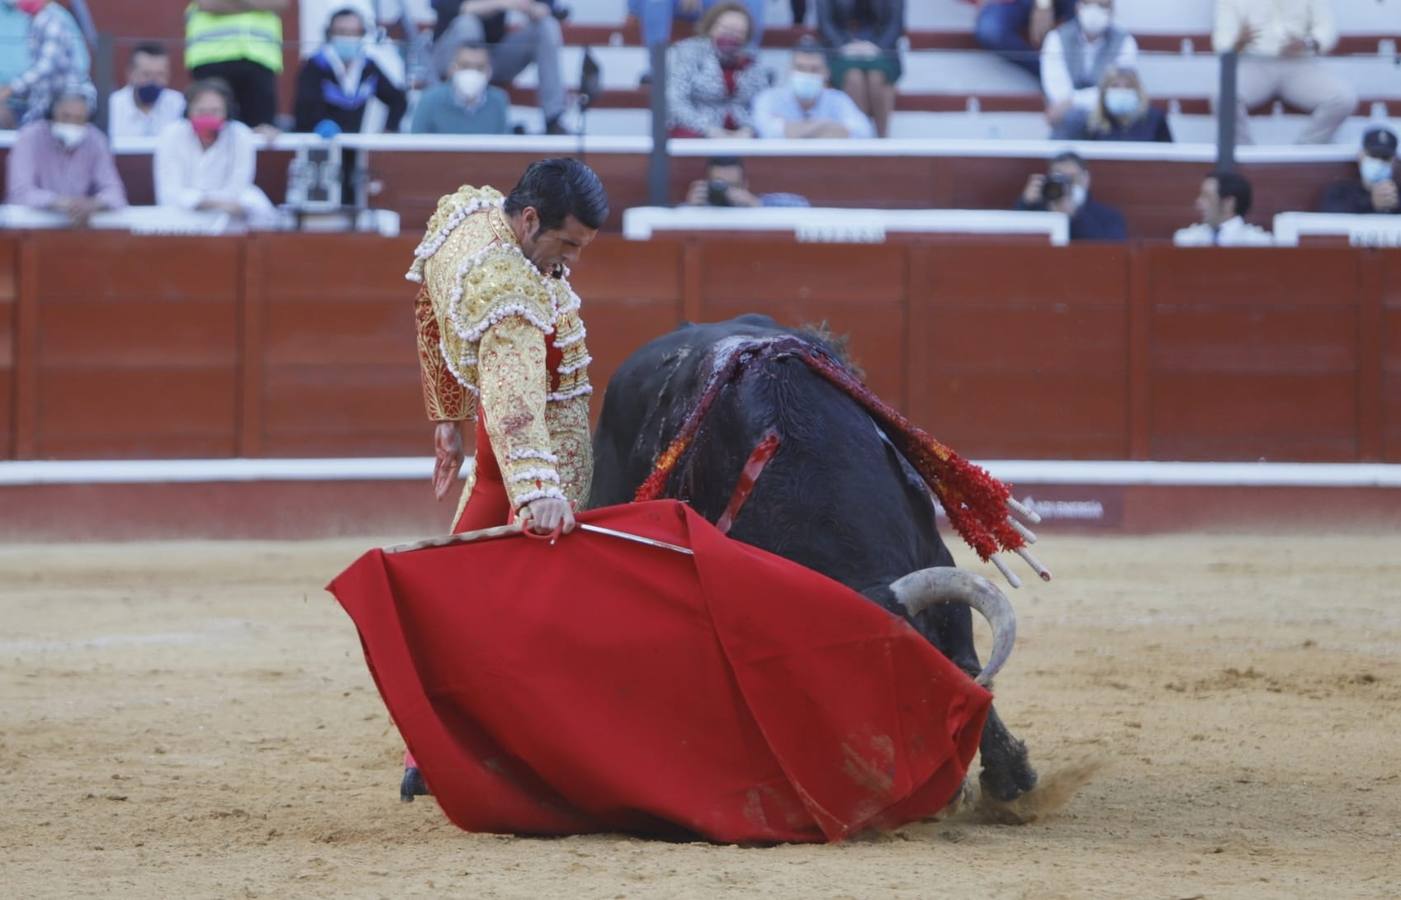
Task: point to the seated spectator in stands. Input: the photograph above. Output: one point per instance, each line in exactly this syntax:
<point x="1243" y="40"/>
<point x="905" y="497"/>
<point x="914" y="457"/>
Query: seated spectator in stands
<point x="537" y="40"/>
<point x="466" y="103"/>
<point x="59" y="59"/>
<point x="863" y="38"/>
<point x="1123" y="113"/>
<point x="208" y="160"/>
<point x="147" y="104"/>
<point x="725" y="184"/>
<point x="240" y="43"/>
<point x="656" y="17"/>
<point x="1066" y="188"/>
<point x="806" y="107"/>
<point x="1374" y="191"/>
<point x="1075" y="58"/>
<point x="1223" y="204"/>
<point x="1015" y="29"/>
<point x="64" y="164"/>
<point x="14" y="56"/>
<point x="336" y="83"/>
<point x="1280" y="42"/>
<point x="713" y="78"/>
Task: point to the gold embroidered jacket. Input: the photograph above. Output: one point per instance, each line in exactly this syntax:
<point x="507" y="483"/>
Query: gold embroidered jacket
<point x="485" y="315"/>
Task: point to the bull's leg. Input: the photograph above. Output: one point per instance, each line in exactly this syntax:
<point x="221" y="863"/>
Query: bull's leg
<point x="1007" y="772"/>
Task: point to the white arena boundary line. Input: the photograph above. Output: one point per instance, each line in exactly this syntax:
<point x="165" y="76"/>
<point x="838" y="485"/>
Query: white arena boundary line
<point x="1021" y="473"/>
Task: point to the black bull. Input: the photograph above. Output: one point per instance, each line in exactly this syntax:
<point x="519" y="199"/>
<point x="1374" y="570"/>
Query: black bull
<point x="837" y="497"/>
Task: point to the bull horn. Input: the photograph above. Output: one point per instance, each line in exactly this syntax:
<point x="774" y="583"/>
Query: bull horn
<point x="920" y="590"/>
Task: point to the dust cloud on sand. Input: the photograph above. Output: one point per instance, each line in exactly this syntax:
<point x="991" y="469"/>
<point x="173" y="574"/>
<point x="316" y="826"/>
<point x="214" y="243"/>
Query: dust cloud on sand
<point x="1213" y="717"/>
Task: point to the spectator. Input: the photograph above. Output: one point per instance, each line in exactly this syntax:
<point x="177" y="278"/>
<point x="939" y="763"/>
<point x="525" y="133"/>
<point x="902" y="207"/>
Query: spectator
<point x="1281" y="42"/>
<point x="713" y="78"/>
<point x="14" y="55"/>
<point x="806" y="107"/>
<point x="1122" y="112"/>
<point x="1015" y="29"/>
<point x="1067" y="189"/>
<point x="657" y="16"/>
<point x="466" y="103"/>
<point x="240" y="43"/>
<point x="1223" y="204"/>
<point x="63" y="164"/>
<point x="207" y="161"/>
<point x="862" y="37"/>
<point x="537" y="41"/>
<point x="1074" y="59"/>
<point x="337" y="82"/>
<point x="58" y="59"/>
<point x="147" y="104"/>
<point x="1374" y="191"/>
<point x="725" y="184"/>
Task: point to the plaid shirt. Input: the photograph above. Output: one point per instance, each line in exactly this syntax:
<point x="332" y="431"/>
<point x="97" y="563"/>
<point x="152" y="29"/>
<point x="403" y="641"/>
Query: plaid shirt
<point x="53" y="48"/>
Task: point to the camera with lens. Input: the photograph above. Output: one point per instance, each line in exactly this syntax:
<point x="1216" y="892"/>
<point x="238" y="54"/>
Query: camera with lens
<point x="718" y="193"/>
<point x="1056" y="187"/>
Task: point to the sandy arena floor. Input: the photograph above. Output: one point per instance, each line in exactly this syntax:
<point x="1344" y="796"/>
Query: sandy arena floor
<point x="196" y="720"/>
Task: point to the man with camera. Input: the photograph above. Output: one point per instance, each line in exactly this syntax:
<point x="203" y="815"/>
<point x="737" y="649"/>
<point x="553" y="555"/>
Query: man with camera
<point x="1066" y="188"/>
<point x="725" y="184"/>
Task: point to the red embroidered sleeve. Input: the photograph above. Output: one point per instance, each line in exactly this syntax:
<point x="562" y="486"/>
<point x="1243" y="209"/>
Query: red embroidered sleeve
<point x="444" y="398"/>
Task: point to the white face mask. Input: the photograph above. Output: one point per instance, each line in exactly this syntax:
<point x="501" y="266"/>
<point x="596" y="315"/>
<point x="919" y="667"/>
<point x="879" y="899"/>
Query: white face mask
<point x="1121" y="101"/>
<point x="1079" y="194"/>
<point x="469" y="83"/>
<point x="68" y="134"/>
<point x="1375" y="171"/>
<point x="1094" y="20"/>
<point x="806" y="85"/>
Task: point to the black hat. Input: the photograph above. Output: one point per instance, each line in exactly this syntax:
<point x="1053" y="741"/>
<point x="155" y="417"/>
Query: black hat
<point x="1379" y="141"/>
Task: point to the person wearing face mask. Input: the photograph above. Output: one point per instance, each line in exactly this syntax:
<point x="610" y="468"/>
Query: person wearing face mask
<point x="1074" y="59"/>
<point x="466" y="102"/>
<point x="63" y="164"/>
<point x="1066" y="189"/>
<point x="1223" y="204"/>
<point x="713" y="78"/>
<point x="146" y="105"/>
<point x="806" y="107"/>
<point x="336" y="82"/>
<point x="863" y="37"/>
<point x="59" y="59"/>
<point x="1375" y="190"/>
<point x="208" y="160"/>
<point x="1123" y="112"/>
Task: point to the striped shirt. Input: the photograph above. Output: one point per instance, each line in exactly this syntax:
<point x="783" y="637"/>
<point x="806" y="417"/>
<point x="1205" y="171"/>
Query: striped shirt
<point x="60" y="61"/>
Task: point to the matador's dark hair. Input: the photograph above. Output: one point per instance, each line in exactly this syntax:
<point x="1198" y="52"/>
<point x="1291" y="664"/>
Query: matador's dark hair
<point x="558" y="189"/>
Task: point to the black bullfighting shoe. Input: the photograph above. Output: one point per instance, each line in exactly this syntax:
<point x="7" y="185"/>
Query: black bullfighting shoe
<point x="413" y="785"/>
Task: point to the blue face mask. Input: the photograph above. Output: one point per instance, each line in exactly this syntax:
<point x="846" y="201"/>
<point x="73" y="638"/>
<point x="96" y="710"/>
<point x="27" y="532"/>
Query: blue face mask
<point x="148" y="94"/>
<point x="347" y="48"/>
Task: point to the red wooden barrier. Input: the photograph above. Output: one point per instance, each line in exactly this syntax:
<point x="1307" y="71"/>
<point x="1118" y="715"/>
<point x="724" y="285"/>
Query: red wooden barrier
<point x="133" y="346"/>
<point x="290" y="345"/>
<point x="9" y="294"/>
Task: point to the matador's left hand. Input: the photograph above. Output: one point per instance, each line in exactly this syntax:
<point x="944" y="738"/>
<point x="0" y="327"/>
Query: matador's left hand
<point x="447" y="448"/>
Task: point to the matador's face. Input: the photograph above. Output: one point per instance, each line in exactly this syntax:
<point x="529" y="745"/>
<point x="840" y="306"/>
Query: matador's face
<point x="551" y="250"/>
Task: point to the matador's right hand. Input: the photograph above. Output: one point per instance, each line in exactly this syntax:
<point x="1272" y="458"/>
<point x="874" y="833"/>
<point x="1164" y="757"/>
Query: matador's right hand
<point x="447" y="448"/>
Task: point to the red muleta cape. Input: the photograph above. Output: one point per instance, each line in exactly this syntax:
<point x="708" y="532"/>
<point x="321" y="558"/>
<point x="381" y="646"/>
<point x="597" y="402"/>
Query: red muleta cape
<point x="603" y="685"/>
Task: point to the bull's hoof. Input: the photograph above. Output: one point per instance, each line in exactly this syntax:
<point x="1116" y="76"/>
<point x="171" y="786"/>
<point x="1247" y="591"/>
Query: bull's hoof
<point x="412" y="786"/>
<point x="1006" y="784"/>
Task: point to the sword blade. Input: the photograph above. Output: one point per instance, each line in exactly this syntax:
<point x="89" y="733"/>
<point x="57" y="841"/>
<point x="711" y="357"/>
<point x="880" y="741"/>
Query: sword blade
<point x="636" y="538"/>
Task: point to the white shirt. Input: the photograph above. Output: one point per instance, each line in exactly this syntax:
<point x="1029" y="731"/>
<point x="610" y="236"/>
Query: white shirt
<point x="775" y="107"/>
<point x="186" y="173"/>
<point x="1278" y="21"/>
<point x="1235" y="232"/>
<point x="1058" y="83"/>
<point x="126" y="119"/>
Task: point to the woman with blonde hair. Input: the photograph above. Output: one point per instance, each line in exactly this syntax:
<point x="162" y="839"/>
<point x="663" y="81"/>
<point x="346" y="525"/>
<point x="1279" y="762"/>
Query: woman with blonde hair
<point x="1122" y="111"/>
<point x="713" y="78"/>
